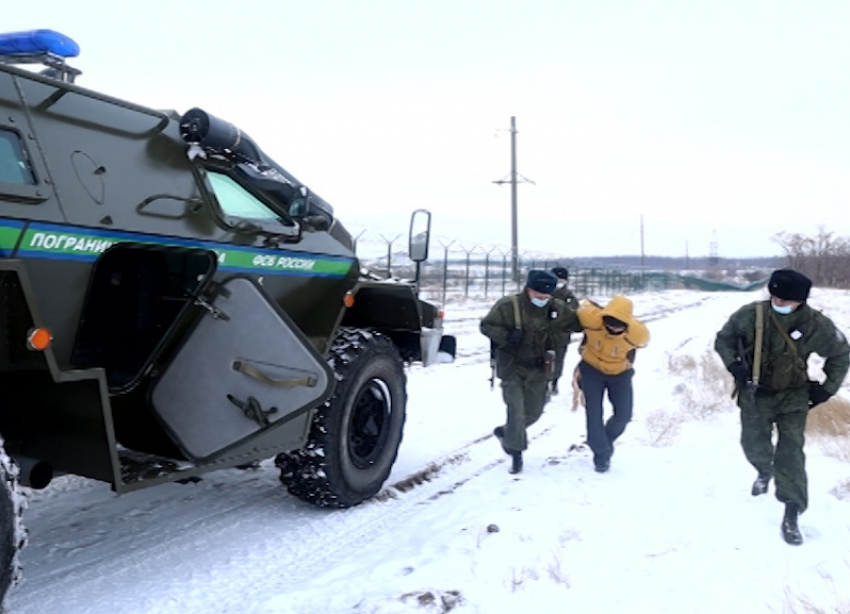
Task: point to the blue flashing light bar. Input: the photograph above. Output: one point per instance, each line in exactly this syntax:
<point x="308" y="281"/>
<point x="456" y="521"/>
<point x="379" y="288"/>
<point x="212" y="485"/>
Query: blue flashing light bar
<point x="38" y="41"/>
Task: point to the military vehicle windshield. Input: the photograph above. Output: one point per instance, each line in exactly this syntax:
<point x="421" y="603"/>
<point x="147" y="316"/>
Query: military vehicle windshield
<point x="14" y="166"/>
<point x="237" y="203"/>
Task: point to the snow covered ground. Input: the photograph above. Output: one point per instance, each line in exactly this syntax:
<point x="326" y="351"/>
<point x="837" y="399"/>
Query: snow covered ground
<point x="671" y="528"/>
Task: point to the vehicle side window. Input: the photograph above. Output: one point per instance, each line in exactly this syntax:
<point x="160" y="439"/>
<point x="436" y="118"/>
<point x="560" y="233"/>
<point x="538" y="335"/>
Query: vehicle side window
<point x="237" y="202"/>
<point x="14" y="165"/>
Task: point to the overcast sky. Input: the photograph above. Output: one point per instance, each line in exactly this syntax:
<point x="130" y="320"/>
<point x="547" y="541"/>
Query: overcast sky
<point x="722" y="121"/>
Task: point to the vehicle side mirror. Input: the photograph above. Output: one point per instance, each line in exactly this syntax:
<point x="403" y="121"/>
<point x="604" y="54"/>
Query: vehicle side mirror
<point x="420" y="235"/>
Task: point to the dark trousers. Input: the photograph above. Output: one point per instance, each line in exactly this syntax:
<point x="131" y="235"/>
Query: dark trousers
<point x="786" y="461"/>
<point x="601" y="434"/>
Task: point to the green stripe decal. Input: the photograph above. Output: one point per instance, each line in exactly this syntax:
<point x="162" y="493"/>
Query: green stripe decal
<point x="9" y="233"/>
<point x="70" y="243"/>
<point x="291" y="262"/>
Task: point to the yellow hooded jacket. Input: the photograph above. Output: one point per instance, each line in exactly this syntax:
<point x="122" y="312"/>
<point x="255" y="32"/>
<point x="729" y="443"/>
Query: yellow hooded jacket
<point x="611" y="354"/>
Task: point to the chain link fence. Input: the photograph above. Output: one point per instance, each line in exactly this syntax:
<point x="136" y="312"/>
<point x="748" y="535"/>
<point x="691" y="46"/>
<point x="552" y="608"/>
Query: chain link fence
<point x="456" y="271"/>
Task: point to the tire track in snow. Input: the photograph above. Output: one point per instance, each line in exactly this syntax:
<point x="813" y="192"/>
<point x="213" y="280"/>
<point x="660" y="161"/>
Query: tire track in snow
<point x="262" y="541"/>
<point x="239" y="535"/>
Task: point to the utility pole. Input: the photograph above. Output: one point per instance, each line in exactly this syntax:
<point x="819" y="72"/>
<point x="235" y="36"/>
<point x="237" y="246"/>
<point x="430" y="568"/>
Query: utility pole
<point x="642" y="262"/>
<point x="713" y="258"/>
<point x="513" y="181"/>
<point x="642" y="258"/>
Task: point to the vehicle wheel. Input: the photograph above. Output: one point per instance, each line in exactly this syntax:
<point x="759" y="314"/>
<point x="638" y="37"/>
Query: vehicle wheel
<point x="355" y="435"/>
<point x="12" y="536"/>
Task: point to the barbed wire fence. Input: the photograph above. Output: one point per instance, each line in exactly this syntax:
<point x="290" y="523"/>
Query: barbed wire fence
<point x="457" y="271"/>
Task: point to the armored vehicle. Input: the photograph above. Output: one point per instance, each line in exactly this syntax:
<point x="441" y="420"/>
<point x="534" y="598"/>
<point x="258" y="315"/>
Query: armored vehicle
<point x="172" y="302"/>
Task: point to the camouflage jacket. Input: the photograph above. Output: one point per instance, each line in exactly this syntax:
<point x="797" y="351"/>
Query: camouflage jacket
<point x="543" y="329"/>
<point x="566" y="295"/>
<point x="811" y="331"/>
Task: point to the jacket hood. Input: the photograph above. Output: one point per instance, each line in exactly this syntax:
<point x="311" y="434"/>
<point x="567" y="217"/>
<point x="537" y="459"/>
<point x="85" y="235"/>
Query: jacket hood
<point x="619" y="307"/>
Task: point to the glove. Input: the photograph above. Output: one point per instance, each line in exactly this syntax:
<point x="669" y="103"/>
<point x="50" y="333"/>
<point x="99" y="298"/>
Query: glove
<point x="740" y="372"/>
<point x="817" y="394"/>
<point x="515" y="336"/>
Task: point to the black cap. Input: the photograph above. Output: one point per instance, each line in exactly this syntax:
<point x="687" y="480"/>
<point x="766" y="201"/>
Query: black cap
<point x="541" y="281"/>
<point x="789" y="285"/>
<point x="561" y="272"/>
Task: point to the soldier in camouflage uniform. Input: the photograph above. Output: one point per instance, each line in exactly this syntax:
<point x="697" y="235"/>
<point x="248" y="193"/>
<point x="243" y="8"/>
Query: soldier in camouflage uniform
<point x="778" y="391"/>
<point x="565" y="294"/>
<point x="522" y="328"/>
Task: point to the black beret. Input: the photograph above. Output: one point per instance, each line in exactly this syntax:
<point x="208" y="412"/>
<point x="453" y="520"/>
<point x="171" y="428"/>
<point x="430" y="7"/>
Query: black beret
<point x="789" y="285"/>
<point x="541" y="281"/>
<point x="561" y="272"/>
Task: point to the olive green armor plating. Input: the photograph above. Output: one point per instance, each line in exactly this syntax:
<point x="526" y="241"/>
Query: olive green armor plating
<point x="206" y="309"/>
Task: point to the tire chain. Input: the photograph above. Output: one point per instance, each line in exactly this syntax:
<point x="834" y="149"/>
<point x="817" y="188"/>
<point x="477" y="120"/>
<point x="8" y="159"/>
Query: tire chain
<point x="302" y="471"/>
<point x="11" y="474"/>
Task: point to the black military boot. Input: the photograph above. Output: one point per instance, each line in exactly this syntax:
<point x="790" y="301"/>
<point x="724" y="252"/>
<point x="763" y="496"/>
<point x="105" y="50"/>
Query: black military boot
<point x="790" y="530"/>
<point x="516" y="462"/>
<point x="760" y="485"/>
<point x="554" y="387"/>
<point x="499" y="433"/>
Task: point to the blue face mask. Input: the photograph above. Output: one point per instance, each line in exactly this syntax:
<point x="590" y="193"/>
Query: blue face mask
<point x="539" y="302"/>
<point x="784" y="310"/>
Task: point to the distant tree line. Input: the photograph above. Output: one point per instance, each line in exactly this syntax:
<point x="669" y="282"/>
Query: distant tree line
<point x="823" y="257"/>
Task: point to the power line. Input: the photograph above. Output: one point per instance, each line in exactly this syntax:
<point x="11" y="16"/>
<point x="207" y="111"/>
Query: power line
<point x="513" y="180"/>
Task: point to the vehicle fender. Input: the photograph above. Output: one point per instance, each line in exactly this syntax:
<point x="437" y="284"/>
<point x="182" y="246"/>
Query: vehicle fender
<point x="394" y="309"/>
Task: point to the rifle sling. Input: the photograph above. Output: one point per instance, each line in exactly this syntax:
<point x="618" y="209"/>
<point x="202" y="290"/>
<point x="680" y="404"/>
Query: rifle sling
<point x="785" y="334"/>
<point x="758" y="343"/>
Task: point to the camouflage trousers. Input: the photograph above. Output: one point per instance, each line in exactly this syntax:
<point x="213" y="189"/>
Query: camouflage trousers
<point x="525" y="398"/>
<point x="785" y="460"/>
<point x="560" y="353"/>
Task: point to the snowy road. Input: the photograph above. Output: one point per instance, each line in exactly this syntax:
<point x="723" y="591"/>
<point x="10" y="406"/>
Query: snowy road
<point x="237" y="538"/>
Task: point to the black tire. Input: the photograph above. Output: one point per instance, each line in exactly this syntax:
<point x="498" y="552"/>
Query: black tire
<point x="355" y="435"/>
<point x="12" y="536"/>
